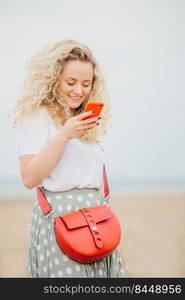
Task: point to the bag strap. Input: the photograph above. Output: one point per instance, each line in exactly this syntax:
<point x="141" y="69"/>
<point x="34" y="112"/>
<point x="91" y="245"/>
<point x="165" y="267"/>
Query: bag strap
<point x="105" y="181"/>
<point x="43" y="202"/>
<point x="106" y="186"/>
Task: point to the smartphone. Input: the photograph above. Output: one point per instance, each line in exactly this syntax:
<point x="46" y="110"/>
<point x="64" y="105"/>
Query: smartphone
<point x="94" y="106"/>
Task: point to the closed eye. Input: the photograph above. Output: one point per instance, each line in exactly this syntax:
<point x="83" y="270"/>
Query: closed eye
<point x="71" y="84"/>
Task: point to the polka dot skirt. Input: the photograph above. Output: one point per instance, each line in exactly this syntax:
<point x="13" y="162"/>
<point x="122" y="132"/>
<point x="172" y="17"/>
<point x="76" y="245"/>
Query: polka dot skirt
<point x="45" y="258"/>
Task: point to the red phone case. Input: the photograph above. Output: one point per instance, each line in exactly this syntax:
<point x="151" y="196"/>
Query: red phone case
<point x="94" y="106"/>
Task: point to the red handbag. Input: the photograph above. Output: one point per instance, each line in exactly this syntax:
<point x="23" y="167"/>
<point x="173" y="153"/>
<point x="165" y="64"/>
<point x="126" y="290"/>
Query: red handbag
<point x="86" y="235"/>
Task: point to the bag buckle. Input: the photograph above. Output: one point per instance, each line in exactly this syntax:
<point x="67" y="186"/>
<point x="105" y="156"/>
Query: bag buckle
<point x="94" y="228"/>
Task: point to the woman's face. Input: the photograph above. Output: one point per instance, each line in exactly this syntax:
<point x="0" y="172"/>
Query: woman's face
<point x="76" y="82"/>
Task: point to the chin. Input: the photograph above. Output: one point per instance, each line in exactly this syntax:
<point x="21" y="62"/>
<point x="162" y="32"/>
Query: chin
<point x="74" y="105"/>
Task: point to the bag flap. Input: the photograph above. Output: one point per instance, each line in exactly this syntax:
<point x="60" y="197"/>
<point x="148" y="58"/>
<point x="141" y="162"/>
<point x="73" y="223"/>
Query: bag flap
<point x="77" y="219"/>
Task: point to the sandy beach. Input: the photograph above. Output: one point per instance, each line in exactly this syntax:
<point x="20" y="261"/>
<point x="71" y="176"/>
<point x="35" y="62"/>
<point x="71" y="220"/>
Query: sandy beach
<point x="153" y="235"/>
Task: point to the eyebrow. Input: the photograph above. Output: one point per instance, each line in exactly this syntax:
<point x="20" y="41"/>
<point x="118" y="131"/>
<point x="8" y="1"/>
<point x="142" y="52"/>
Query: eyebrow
<point x="75" y="79"/>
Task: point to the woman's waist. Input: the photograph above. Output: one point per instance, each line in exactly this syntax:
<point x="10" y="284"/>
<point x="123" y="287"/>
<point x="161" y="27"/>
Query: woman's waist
<point x="57" y="185"/>
<point x="64" y="202"/>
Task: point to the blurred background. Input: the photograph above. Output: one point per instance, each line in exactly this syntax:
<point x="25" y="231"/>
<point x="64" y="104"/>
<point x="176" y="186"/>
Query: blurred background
<point x="140" y="45"/>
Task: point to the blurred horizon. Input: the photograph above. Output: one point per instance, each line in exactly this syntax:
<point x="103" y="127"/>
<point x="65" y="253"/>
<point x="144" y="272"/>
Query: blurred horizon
<point x="14" y="188"/>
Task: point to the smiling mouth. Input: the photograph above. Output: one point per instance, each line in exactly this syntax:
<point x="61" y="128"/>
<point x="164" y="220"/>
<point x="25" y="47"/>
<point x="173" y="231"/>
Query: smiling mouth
<point x="76" y="99"/>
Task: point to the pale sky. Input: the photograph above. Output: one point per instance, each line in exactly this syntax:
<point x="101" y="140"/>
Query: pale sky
<point x="140" y="45"/>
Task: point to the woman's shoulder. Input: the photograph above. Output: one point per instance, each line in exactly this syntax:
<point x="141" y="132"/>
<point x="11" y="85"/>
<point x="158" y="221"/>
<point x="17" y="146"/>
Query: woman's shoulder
<point x="42" y="114"/>
<point x="35" y="120"/>
<point x="39" y="116"/>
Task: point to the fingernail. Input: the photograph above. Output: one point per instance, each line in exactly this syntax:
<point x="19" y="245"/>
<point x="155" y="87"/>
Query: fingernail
<point x="99" y="118"/>
<point x="97" y="123"/>
<point x="92" y="111"/>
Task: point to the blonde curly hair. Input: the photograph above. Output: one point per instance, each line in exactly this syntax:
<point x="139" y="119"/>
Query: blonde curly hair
<point x="39" y="87"/>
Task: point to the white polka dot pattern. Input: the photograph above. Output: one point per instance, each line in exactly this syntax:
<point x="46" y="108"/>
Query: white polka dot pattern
<point x="100" y="272"/>
<point x="45" y="242"/>
<point x="53" y="249"/>
<point x="69" y="207"/>
<point x="38" y="247"/>
<point x="41" y="257"/>
<point x="60" y="273"/>
<point x="79" y="198"/>
<point x="65" y="258"/>
<point x="88" y="203"/>
<point x="58" y="197"/>
<point x="77" y="268"/>
<point x="60" y="208"/>
<point x="68" y="270"/>
<point x="43" y="231"/>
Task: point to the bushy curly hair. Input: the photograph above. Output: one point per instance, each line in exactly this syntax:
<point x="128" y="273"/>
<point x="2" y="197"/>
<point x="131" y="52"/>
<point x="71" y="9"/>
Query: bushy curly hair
<point x="39" y="87"/>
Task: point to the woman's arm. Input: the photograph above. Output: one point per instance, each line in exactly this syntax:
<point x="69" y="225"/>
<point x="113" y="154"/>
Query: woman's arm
<point x="34" y="168"/>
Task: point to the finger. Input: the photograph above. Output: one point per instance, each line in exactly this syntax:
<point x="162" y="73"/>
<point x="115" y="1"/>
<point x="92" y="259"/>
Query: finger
<point x="85" y="114"/>
<point x="87" y="126"/>
<point x="90" y="120"/>
<point x="90" y="126"/>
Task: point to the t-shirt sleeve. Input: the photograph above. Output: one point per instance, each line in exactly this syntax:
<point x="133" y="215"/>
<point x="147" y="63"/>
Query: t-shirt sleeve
<point x="33" y="134"/>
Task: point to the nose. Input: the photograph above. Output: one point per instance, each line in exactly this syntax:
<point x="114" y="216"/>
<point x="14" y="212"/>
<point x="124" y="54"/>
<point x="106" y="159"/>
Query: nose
<point x="77" y="90"/>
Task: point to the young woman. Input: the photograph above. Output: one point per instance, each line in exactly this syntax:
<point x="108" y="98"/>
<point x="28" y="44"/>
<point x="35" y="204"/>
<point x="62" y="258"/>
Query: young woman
<point x="59" y="151"/>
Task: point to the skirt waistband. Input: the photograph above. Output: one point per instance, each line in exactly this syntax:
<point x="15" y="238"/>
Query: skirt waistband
<point x="74" y="190"/>
<point x="74" y="199"/>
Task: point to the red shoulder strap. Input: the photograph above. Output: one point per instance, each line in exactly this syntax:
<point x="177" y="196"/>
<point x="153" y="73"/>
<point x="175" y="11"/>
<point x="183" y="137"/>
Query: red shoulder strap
<point x="43" y="202"/>
<point x="106" y="186"/>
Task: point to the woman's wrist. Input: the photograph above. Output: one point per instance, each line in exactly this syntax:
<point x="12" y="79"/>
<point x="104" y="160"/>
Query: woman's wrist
<point x="63" y="135"/>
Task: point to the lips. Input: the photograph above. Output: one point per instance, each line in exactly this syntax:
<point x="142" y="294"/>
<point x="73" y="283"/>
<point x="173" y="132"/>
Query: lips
<point x="76" y="99"/>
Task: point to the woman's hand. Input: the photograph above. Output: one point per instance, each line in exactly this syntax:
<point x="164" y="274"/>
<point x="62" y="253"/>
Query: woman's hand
<point x="75" y="126"/>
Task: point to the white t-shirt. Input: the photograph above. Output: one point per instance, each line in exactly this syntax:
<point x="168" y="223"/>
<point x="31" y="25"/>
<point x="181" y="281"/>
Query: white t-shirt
<point x="80" y="165"/>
